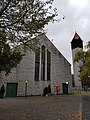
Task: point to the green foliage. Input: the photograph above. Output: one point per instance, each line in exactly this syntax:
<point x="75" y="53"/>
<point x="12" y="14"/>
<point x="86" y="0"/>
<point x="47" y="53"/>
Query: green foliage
<point x="49" y="88"/>
<point x="20" y="20"/>
<point x="8" y="58"/>
<point x="84" y="56"/>
<point x="45" y="91"/>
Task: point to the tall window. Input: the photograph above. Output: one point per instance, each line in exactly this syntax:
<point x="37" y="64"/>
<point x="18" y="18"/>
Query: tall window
<point x="37" y="63"/>
<point x="43" y="62"/>
<point x="48" y="65"/>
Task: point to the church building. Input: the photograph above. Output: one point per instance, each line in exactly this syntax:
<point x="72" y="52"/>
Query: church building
<point x="39" y="69"/>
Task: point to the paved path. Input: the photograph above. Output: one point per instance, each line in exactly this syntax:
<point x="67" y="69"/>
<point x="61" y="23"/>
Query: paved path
<point x="65" y="107"/>
<point x="86" y="107"/>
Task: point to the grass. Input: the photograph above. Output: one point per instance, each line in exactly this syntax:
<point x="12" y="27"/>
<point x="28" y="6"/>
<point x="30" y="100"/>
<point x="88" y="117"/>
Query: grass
<point x="81" y="92"/>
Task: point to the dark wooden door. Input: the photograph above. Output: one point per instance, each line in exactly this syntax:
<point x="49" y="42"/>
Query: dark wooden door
<point x="11" y="89"/>
<point x="65" y="88"/>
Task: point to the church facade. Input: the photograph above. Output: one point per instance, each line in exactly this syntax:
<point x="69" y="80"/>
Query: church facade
<point x="38" y="69"/>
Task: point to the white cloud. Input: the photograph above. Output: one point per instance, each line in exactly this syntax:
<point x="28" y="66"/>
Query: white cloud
<point x="78" y="3"/>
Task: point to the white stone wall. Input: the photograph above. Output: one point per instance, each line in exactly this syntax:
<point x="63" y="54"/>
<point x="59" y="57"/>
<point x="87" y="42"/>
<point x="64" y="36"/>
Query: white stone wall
<point x="60" y="72"/>
<point x="76" y="68"/>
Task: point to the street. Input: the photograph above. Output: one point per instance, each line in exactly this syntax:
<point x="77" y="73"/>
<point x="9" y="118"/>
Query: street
<point x="86" y="107"/>
<point x="62" y="107"/>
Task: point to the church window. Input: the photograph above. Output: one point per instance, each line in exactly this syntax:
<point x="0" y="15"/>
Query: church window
<point x="37" y="64"/>
<point x="48" y="65"/>
<point x="43" y="62"/>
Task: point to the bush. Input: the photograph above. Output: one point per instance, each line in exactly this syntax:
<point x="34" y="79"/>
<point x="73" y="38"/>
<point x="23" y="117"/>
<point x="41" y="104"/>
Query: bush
<point x="47" y="90"/>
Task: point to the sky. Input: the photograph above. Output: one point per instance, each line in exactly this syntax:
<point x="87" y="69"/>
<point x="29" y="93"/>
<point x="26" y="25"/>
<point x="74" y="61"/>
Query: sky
<point x="77" y="18"/>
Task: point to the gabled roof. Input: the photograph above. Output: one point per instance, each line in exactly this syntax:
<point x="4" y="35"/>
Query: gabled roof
<point x="55" y="48"/>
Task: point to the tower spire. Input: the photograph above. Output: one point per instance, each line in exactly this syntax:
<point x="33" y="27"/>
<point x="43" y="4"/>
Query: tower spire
<point x="76" y="41"/>
<point x="76" y="36"/>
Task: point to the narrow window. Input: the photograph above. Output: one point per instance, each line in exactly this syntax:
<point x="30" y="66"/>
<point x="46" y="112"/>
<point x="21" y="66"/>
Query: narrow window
<point x="48" y="65"/>
<point x="43" y="62"/>
<point x="37" y="63"/>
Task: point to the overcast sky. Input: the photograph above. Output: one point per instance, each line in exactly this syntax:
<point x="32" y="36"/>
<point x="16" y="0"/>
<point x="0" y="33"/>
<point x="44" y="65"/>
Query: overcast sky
<point x="77" y="18"/>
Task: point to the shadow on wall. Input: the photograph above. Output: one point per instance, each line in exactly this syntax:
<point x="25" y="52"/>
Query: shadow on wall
<point x="2" y="91"/>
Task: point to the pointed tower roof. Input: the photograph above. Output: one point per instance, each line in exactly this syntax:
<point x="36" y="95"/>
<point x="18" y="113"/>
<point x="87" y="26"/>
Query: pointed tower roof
<point x="76" y="41"/>
<point x="76" y="36"/>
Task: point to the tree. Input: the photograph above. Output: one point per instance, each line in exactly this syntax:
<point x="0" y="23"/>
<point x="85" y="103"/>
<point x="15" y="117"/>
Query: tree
<point x="84" y="56"/>
<point x="9" y="58"/>
<point x="20" y="20"/>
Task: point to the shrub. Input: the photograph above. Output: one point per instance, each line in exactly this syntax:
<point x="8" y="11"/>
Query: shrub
<point x="47" y="90"/>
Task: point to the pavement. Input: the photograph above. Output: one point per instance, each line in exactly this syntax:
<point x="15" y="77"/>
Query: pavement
<point x="86" y="107"/>
<point x="61" y="107"/>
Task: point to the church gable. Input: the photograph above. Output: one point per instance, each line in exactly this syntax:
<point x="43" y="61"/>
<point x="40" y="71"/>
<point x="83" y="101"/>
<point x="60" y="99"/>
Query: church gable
<point x="41" y="68"/>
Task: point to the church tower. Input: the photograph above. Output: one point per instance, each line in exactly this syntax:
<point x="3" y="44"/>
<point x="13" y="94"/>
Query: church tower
<point x="76" y="45"/>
